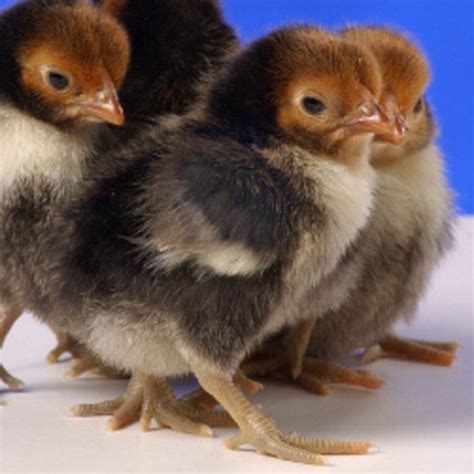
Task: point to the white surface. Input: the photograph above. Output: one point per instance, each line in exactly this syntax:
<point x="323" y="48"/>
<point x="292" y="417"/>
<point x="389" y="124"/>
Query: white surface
<point x="422" y="419"/>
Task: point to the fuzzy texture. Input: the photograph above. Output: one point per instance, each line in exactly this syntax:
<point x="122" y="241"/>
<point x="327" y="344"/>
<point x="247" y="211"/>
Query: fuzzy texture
<point x="185" y="247"/>
<point x="409" y="232"/>
<point x="44" y="153"/>
<point x="43" y="161"/>
<point x="176" y="46"/>
<point x="411" y="225"/>
<point x="69" y="32"/>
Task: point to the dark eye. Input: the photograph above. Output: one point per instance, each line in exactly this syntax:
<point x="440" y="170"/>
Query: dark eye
<point x="58" y="80"/>
<point x="418" y="106"/>
<point x="313" y="106"/>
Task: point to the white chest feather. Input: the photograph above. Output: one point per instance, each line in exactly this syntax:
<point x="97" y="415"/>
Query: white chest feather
<point x="347" y="198"/>
<point x="29" y="147"/>
<point x="427" y="196"/>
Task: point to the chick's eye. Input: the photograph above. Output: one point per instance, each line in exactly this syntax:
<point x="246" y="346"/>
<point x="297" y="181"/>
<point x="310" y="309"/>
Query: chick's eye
<point x="418" y="106"/>
<point x="313" y="106"/>
<point x="58" y="80"/>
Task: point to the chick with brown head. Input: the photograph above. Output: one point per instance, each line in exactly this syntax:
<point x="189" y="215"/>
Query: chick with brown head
<point x="188" y="255"/>
<point x="175" y="46"/>
<point x="410" y="229"/>
<point x="61" y="64"/>
<point x="406" y="76"/>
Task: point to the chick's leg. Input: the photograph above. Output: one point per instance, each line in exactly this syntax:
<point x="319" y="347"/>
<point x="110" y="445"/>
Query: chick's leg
<point x="257" y="430"/>
<point x="298" y="344"/>
<point x="436" y="353"/>
<point x="201" y="399"/>
<point x="8" y="316"/>
<point x="65" y="343"/>
<point x="149" y="398"/>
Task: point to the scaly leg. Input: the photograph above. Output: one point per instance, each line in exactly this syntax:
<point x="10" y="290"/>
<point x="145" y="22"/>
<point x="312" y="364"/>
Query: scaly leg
<point x="257" y="430"/>
<point x="204" y="401"/>
<point x="150" y="398"/>
<point x="8" y="316"/>
<point x="436" y="353"/>
<point x="298" y="341"/>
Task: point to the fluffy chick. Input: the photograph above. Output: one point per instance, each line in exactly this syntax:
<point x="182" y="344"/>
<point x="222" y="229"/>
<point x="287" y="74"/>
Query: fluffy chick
<point x="187" y="255"/>
<point x="60" y="66"/>
<point x="175" y="46"/>
<point x="410" y="228"/>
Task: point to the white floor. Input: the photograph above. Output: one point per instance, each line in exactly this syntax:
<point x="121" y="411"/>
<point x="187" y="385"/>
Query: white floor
<point x="422" y="419"/>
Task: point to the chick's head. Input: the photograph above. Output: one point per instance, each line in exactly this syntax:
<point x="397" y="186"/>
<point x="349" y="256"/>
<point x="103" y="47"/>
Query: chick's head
<point x="312" y="88"/>
<point x="406" y="76"/>
<point x="71" y="62"/>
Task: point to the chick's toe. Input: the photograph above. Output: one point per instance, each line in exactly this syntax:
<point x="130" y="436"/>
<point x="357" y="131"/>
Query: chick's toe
<point x="259" y="431"/>
<point x="428" y="352"/>
<point x="9" y="379"/>
<point x="147" y="399"/>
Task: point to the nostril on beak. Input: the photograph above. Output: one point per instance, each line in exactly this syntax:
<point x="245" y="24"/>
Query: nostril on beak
<point x="371" y="109"/>
<point x="383" y="114"/>
<point x="400" y="126"/>
<point x="103" y="96"/>
<point x="366" y="109"/>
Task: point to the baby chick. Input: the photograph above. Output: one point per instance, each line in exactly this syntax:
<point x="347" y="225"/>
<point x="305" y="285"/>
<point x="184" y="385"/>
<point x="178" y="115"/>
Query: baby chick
<point x="60" y="66"/>
<point x="190" y="251"/>
<point x="175" y="46"/>
<point x="410" y="229"/>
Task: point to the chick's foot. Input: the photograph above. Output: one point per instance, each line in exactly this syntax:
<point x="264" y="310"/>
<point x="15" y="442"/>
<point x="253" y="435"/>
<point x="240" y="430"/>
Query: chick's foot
<point x="436" y="353"/>
<point x="87" y="362"/>
<point x="149" y="398"/>
<point x="83" y="360"/>
<point x="317" y="374"/>
<point x="257" y="430"/>
<point x="314" y="376"/>
<point x="8" y="316"/>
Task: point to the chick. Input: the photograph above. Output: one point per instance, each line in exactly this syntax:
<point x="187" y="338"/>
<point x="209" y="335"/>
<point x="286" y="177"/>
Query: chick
<point x="175" y="46"/>
<point x="410" y="229"/>
<point x="189" y="251"/>
<point x="60" y="66"/>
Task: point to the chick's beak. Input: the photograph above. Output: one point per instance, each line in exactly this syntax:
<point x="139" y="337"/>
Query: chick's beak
<point x="373" y="119"/>
<point x="102" y="105"/>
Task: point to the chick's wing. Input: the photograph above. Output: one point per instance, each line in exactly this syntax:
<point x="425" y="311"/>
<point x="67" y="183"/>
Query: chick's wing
<point x="218" y="204"/>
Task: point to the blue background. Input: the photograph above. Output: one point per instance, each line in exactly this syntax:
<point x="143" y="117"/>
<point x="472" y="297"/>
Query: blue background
<point x="444" y="29"/>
